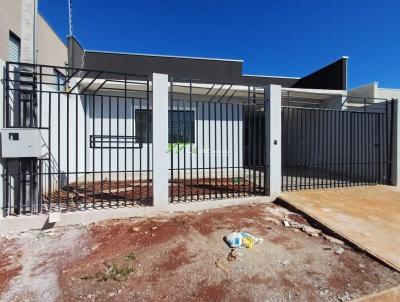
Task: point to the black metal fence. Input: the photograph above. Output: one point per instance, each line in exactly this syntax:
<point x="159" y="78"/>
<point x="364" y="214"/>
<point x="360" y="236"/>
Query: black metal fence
<point x="216" y="141"/>
<point x="346" y="146"/>
<point x="93" y="153"/>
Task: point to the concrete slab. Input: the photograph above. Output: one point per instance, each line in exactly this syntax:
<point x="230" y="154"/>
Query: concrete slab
<point x="369" y="217"/>
<point x="390" y="295"/>
<point x="34" y="222"/>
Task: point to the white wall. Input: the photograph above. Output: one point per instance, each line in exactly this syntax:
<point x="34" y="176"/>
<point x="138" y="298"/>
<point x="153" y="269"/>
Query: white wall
<point x="389" y="94"/>
<point x="206" y="118"/>
<point x="115" y="116"/>
<point x="64" y="141"/>
<point x="373" y="90"/>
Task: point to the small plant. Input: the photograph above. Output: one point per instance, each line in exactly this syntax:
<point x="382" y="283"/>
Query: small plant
<point x="131" y="256"/>
<point x="237" y="180"/>
<point x="112" y="272"/>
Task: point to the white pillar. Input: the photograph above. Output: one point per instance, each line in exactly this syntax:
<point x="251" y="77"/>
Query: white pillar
<point x="160" y="140"/>
<point x="2" y="100"/>
<point x="396" y="144"/>
<point x="273" y="103"/>
<point x="28" y="31"/>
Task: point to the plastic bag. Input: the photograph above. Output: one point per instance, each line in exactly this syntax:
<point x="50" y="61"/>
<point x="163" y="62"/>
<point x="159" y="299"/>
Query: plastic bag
<point x="241" y="240"/>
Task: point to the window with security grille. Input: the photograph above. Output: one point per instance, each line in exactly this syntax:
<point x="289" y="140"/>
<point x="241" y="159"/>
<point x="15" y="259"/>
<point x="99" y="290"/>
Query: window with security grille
<point x="180" y="126"/>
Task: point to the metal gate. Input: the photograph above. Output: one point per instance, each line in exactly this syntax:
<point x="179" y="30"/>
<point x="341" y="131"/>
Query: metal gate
<point x="216" y="140"/>
<point x="93" y="147"/>
<point x="346" y="146"/>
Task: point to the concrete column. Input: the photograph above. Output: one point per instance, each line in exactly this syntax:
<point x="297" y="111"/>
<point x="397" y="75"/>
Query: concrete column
<point x="396" y="144"/>
<point x="28" y="31"/>
<point x="273" y="101"/>
<point x="160" y="140"/>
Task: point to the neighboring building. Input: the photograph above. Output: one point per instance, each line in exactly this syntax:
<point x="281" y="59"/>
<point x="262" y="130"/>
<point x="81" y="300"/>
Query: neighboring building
<point x="50" y="48"/>
<point x="373" y="91"/>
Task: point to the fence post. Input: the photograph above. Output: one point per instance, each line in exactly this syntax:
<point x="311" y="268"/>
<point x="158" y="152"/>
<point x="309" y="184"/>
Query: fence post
<point x="395" y="173"/>
<point x="3" y="101"/>
<point x="160" y="139"/>
<point x="273" y="121"/>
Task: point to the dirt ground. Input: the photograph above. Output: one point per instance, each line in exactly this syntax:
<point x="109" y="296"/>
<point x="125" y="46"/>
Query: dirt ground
<point x="176" y="257"/>
<point x="107" y="193"/>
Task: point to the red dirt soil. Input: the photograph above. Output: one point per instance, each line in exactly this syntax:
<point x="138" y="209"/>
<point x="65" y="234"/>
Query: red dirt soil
<point x="108" y="193"/>
<point x="175" y="258"/>
<point x="9" y="264"/>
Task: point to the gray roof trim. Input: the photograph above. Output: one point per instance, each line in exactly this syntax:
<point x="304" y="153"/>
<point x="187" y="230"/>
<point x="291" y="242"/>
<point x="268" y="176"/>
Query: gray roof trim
<point x="270" y="76"/>
<point x="164" y="56"/>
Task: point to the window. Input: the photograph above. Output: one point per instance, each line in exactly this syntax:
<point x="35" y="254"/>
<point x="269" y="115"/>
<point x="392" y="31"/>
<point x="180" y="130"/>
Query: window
<point x="59" y="80"/>
<point x="14" y="47"/>
<point x="180" y="126"/>
<point x="143" y="126"/>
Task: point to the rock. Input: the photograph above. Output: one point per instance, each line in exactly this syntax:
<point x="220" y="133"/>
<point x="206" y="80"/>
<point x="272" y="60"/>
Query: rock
<point x="154" y="227"/>
<point x="286" y="223"/>
<point x="111" y="294"/>
<point x="119" y="291"/>
<point x="95" y="247"/>
<point x="284" y="262"/>
<point x="339" y="251"/>
<point x="89" y="296"/>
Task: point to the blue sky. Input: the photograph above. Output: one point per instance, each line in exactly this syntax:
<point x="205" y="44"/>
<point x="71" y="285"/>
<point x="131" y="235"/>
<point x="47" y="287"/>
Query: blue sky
<point x="286" y="37"/>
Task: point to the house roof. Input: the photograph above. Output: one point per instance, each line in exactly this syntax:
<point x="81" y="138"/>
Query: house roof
<point x="332" y="76"/>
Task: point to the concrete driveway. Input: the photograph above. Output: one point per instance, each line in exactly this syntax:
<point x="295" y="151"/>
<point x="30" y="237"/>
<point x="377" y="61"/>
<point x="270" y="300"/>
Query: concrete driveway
<point x="367" y="216"/>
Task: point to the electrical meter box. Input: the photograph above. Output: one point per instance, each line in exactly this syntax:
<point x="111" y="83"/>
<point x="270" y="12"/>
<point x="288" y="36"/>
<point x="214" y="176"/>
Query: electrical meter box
<point x="21" y="143"/>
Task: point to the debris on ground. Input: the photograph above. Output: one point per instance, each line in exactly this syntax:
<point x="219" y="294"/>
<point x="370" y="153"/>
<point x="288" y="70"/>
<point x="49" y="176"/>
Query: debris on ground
<point x="333" y="239"/>
<point x="305" y="228"/>
<point x="233" y="255"/>
<point x="241" y="240"/>
<point x="284" y="262"/>
<point x="220" y="264"/>
<point x="339" y="251"/>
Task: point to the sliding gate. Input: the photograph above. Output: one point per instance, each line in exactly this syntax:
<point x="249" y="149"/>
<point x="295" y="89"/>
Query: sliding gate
<point x="325" y="148"/>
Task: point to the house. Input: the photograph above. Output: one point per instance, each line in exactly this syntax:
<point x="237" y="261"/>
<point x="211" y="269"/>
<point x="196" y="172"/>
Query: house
<point x="372" y="91"/>
<point x="122" y="129"/>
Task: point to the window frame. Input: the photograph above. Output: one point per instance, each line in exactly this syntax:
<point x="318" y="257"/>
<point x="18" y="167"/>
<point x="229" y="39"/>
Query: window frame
<point x="59" y="75"/>
<point x="12" y="35"/>
<point x="192" y="119"/>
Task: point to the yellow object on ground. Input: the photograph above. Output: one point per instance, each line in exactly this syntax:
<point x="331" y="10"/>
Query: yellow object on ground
<point x="248" y="242"/>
